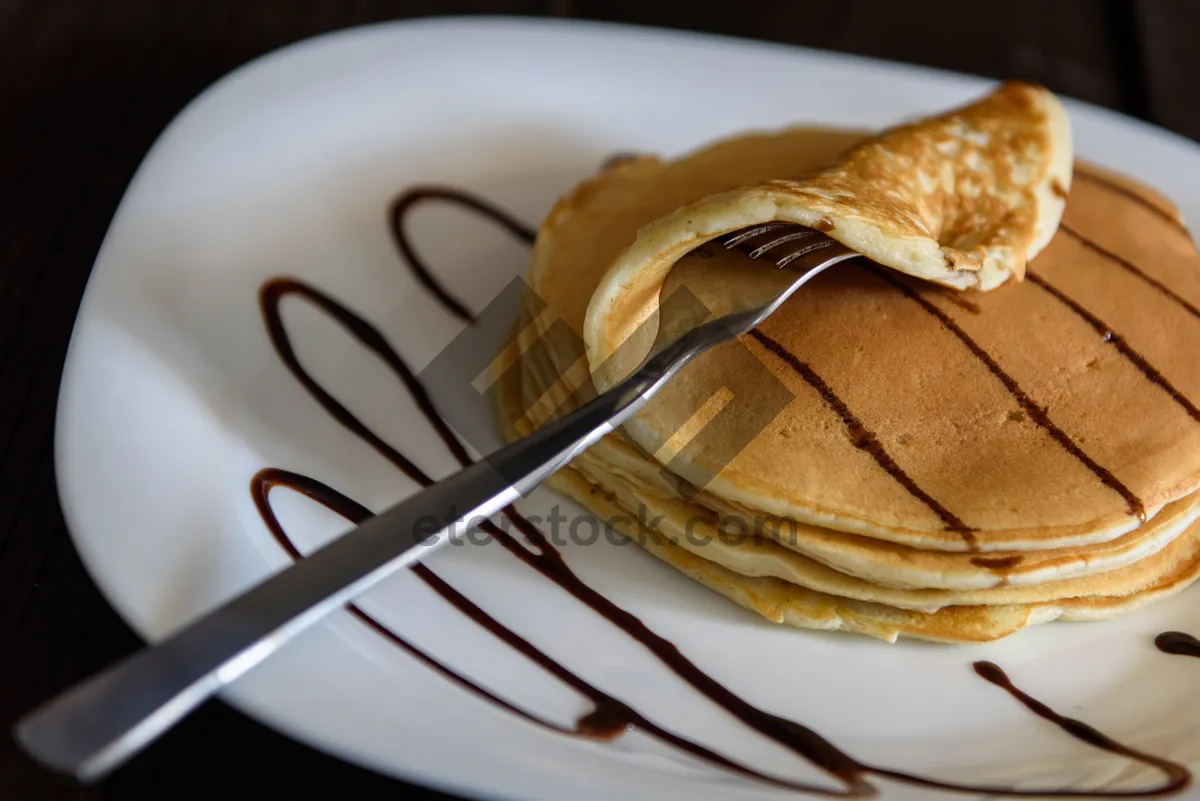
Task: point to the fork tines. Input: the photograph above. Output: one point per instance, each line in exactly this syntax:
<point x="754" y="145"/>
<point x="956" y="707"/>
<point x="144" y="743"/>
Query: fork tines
<point x="761" y="239"/>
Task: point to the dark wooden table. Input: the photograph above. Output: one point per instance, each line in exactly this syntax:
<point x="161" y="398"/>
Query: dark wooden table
<point x="86" y="86"/>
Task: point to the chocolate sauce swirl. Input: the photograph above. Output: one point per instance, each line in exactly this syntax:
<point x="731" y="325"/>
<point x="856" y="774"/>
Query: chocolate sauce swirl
<point x="1178" y="777"/>
<point x="398" y="214"/>
<point x="610" y="716"/>
<point x="260" y="489"/>
<point x="537" y="551"/>
<point x="1178" y="643"/>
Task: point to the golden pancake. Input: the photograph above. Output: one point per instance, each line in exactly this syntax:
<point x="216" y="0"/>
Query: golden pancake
<point x="875" y="560"/>
<point x="797" y="606"/>
<point x="750" y="555"/>
<point x="1120" y="568"/>
<point x="1011" y="424"/>
<point x="956" y="578"/>
<point x="949" y="466"/>
<point x="963" y="199"/>
<point x="588" y="227"/>
<point x="794" y="604"/>
<point x="782" y="602"/>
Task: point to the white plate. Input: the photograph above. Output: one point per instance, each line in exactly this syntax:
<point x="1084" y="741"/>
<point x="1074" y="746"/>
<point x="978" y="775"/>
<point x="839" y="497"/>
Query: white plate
<point x="173" y="398"/>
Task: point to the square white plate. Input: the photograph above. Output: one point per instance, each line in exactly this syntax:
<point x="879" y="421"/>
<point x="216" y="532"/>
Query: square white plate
<point x="173" y="398"/>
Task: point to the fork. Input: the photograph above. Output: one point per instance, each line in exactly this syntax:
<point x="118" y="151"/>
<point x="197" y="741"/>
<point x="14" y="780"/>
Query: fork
<point x="96" y="726"/>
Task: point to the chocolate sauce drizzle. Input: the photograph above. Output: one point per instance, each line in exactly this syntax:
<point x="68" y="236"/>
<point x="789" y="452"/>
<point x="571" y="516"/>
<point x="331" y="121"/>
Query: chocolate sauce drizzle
<point x="863" y="438"/>
<point x="398" y="213"/>
<point x="997" y="562"/>
<point x="1130" y="267"/>
<point x="1036" y="413"/>
<point x="956" y="297"/>
<point x="1113" y="186"/>
<point x="610" y="716"/>
<point x="1117" y="341"/>
<point x="1178" y="643"/>
<point x="537" y="552"/>
<point x="1177" y="775"/>
<point x="269" y="478"/>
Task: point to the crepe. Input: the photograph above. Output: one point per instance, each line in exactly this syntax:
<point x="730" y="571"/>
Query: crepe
<point x="988" y="460"/>
<point x="963" y="199"/>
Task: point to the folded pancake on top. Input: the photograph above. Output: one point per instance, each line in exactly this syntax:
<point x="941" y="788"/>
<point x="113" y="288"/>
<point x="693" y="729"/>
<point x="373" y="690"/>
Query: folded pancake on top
<point x="964" y="199"/>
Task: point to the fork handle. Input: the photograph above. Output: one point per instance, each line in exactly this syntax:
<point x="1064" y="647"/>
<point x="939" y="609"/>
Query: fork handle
<point x="95" y="727"/>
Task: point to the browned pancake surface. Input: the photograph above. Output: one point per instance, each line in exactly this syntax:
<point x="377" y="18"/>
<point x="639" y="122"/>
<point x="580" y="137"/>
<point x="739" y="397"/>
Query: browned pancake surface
<point x="1045" y="413"/>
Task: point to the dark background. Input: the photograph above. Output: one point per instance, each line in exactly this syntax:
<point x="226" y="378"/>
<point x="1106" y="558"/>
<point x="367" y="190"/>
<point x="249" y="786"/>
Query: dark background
<point x="86" y="86"/>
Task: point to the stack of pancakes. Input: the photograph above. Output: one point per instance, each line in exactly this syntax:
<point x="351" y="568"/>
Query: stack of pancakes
<point x="987" y="420"/>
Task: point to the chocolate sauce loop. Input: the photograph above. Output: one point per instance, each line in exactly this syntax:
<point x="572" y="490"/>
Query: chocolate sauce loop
<point x="1178" y="643"/>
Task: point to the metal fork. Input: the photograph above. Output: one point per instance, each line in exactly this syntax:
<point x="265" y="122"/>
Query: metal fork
<point x="98" y="725"/>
